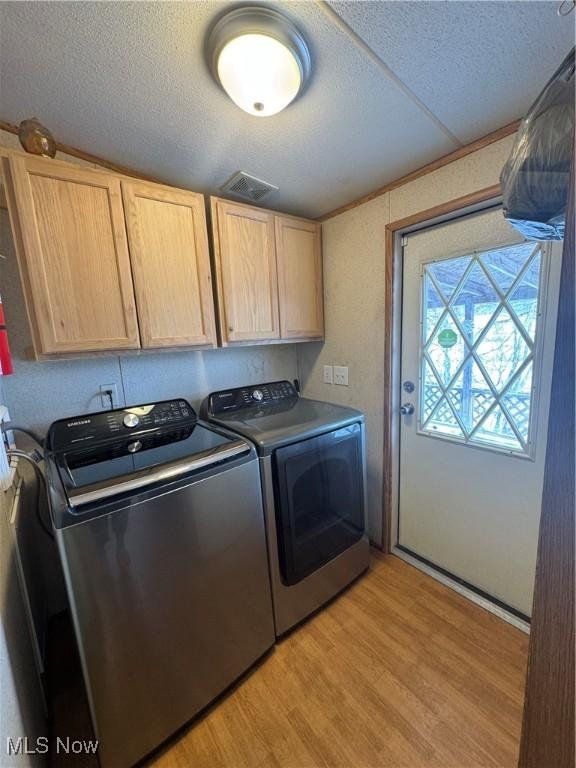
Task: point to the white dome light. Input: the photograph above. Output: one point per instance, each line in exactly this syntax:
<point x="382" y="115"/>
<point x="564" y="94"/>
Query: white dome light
<point x="259" y="58"/>
<point x="259" y="74"/>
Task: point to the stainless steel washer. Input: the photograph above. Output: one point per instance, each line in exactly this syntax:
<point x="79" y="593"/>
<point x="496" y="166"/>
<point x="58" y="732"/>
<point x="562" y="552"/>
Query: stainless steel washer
<point x="313" y="474"/>
<point x="160" y="530"/>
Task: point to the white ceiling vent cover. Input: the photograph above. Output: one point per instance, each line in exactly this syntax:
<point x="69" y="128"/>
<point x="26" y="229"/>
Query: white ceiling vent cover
<point x="244" y="185"/>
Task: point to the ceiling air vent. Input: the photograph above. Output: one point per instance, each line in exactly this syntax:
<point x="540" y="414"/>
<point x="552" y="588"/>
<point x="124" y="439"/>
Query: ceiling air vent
<point x="248" y="187"/>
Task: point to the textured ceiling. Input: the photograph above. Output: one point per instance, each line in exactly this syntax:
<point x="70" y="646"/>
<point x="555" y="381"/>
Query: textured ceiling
<point x="127" y="81"/>
<point x="476" y="65"/>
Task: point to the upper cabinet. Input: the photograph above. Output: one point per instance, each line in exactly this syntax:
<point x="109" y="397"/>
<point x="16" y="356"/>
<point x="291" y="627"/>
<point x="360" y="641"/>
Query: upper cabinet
<point x="75" y="267"/>
<point x="247" y="283"/>
<point x="299" y="259"/>
<point x="170" y="264"/>
<point x="111" y="263"/>
<point x="269" y="275"/>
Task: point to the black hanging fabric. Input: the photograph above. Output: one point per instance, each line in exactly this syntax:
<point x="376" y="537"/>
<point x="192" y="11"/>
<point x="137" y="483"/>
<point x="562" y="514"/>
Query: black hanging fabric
<point x="536" y="177"/>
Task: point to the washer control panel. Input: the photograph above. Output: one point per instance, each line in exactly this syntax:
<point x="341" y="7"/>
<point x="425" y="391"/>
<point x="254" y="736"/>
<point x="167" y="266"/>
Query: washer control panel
<point x="230" y="400"/>
<point x="129" y="422"/>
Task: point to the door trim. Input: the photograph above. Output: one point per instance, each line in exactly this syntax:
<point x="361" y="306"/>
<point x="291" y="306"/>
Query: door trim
<point x="394" y="231"/>
<point x="548" y="724"/>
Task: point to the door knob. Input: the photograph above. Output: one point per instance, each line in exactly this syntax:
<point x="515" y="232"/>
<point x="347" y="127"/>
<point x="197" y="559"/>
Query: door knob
<point x="407" y="409"/>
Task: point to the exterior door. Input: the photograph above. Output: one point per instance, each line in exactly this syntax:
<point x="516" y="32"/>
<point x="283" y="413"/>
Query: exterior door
<point x="300" y="278"/>
<point x="171" y="265"/>
<point x="478" y="323"/>
<point x="73" y="257"/>
<point x="245" y="255"/>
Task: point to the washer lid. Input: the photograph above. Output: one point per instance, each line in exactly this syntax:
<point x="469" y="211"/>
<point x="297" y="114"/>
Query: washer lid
<point x="273" y="425"/>
<point x="96" y="473"/>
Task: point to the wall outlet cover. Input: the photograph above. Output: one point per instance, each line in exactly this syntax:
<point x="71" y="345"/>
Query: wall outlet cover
<point x="341" y="375"/>
<point x="328" y="374"/>
<point x="105" y="399"/>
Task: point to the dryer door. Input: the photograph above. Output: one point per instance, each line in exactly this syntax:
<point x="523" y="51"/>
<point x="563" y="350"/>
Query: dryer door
<point x="319" y="500"/>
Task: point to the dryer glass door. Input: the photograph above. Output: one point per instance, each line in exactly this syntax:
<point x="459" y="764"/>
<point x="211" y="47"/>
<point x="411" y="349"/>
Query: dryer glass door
<point x="319" y="500"/>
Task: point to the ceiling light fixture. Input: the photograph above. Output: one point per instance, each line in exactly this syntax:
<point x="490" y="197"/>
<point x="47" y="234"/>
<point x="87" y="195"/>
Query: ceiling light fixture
<point x="259" y="58"/>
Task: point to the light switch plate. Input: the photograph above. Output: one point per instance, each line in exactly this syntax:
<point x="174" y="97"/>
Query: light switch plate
<point x="341" y="375"/>
<point x="328" y="374"/>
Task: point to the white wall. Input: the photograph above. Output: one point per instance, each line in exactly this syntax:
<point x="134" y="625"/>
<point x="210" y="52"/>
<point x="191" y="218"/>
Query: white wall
<point x="353" y="248"/>
<point x="354" y="253"/>
<point x="21" y="708"/>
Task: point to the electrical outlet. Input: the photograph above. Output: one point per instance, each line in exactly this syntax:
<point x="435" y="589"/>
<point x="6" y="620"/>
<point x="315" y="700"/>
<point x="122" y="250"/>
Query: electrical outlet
<point x="341" y="375"/>
<point x="328" y="374"/>
<point x="105" y="399"/>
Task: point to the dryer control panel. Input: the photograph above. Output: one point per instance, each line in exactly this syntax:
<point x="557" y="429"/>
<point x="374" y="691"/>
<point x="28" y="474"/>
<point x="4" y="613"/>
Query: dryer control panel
<point x="122" y="422"/>
<point x="230" y="400"/>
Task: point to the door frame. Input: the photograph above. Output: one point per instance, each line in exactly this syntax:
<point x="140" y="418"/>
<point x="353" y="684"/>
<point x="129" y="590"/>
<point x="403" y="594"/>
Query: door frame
<point x="548" y="724"/>
<point x="483" y="199"/>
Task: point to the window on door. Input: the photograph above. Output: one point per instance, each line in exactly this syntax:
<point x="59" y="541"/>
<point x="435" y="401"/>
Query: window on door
<point x="480" y="328"/>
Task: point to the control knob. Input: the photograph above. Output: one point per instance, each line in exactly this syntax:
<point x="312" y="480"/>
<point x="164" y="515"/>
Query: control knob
<point x="135" y="446"/>
<point x="131" y="420"/>
<point x="258" y="395"/>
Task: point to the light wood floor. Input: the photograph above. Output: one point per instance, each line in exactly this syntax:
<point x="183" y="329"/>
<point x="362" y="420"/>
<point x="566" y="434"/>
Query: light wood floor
<point x="398" y="672"/>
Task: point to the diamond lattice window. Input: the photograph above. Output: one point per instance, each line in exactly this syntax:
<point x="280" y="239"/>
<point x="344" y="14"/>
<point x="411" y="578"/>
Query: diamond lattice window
<point x="479" y="328"/>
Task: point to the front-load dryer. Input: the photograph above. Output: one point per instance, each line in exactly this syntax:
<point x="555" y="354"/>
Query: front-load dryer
<point x="313" y="475"/>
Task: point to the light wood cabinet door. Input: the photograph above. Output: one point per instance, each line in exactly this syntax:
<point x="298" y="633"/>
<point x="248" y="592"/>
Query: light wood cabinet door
<point x="299" y="259"/>
<point x="73" y="256"/>
<point x="171" y="265"/>
<point x="245" y="255"/>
